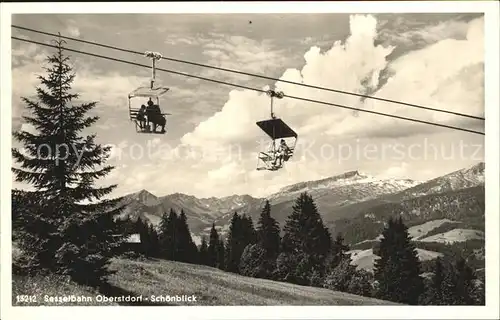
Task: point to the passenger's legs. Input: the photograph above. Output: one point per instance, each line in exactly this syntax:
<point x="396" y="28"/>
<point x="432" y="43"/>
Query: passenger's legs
<point x="155" y="123"/>
<point x="281" y="155"/>
<point x="277" y="159"/>
<point x="142" y="122"/>
<point x="163" y="122"/>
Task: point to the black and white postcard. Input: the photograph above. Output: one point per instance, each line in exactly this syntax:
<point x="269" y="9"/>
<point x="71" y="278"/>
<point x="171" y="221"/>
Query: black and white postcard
<point x="299" y="156"/>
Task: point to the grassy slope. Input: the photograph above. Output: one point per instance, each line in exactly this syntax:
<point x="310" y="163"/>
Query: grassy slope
<point x="455" y="235"/>
<point x="215" y="287"/>
<point x="210" y="285"/>
<point x="159" y="277"/>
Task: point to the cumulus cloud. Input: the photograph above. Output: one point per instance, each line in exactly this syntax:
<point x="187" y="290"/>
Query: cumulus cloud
<point x="421" y="77"/>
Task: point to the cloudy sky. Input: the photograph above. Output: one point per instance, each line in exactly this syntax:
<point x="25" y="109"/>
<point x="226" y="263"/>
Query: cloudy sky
<point x="211" y="146"/>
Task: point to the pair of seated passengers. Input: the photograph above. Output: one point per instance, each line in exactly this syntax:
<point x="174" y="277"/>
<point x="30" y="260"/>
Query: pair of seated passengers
<point x="151" y="113"/>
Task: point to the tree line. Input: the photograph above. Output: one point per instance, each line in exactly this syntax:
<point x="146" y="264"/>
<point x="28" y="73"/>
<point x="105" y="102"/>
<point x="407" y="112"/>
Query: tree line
<point x="307" y="254"/>
<point x="66" y="225"/>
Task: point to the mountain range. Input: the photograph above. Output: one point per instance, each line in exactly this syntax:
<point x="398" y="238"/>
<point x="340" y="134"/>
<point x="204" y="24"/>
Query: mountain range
<point x="331" y="195"/>
<point x="353" y="203"/>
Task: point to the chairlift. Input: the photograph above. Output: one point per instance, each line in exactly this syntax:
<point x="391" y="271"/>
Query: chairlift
<point x="152" y="116"/>
<point x="276" y="129"/>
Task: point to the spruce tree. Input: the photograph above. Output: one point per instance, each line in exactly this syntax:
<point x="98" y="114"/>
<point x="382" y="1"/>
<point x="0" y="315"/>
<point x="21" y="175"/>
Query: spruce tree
<point x="260" y="258"/>
<point x="443" y="287"/>
<point x="453" y="283"/>
<point x="70" y="228"/>
<point x="465" y="282"/>
<point x="142" y="229"/>
<point x="268" y="232"/>
<point x="249" y="235"/>
<point x="213" y="247"/>
<point x="168" y="236"/>
<point x="186" y="250"/>
<point x="234" y="244"/>
<point x="203" y="256"/>
<point x="154" y="242"/>
<point x="434" y="294"/>
<point x="220" y="255"/>
<point x="149" y="238"/>
<point x="306" y="243"/>
<point x="398" y="269"/>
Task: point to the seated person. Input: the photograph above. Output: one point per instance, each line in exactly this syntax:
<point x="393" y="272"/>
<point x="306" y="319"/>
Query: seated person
<point x="141" y="117"/>
<point x="283" y="153"/>
<point x="155" y="117"/>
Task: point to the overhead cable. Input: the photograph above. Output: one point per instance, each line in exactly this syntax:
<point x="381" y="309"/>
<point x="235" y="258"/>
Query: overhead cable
<point x="251" y="88"/>
<point x="364" y="96"/>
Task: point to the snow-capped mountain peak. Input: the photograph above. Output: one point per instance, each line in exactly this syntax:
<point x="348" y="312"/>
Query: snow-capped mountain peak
<point x="347" y="179"/>
<point x="476" y="170"/>
<point x="460" y="179"/>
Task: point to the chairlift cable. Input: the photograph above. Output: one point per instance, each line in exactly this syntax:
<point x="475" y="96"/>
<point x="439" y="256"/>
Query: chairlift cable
<point x="258" y="75"/>
<point x="250" y="88"/>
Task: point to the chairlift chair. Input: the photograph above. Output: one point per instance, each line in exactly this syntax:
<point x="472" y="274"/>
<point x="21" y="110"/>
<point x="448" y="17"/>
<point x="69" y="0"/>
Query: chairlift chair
<point x="145" y="92"/>
<point x="150" y="92"/>
<point x="276" y="129"/>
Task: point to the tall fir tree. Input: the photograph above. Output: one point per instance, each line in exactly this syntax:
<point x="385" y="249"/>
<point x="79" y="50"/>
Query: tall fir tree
<point x="398" y="269"/>
<point x="168" y="236"/>
<point x="221" y="255"/>
<point x="268" y="232"/>
<point x="465" y="282"/>
<point x="149" y="245"/>
<point x="154" y="242"/>
<point x="241" y="233"/>
<point x="249" y="235"/>
<point x="234" y="243"/>
<point x="185" y="246"/>
<point x="70" y="227"/>
<point x="305" y="245"/>
<point x="453" y="283"/>
<point x="260" y="260"/>
<point x="213" y="247"/>
<point x="435" y="293"/>
<point x="142" y="228"/>
<point x="203" y="255"/>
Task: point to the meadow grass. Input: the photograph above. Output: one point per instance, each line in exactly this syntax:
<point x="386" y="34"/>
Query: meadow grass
<point x="155" y="277"/>
<point x="215" y="287"/>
